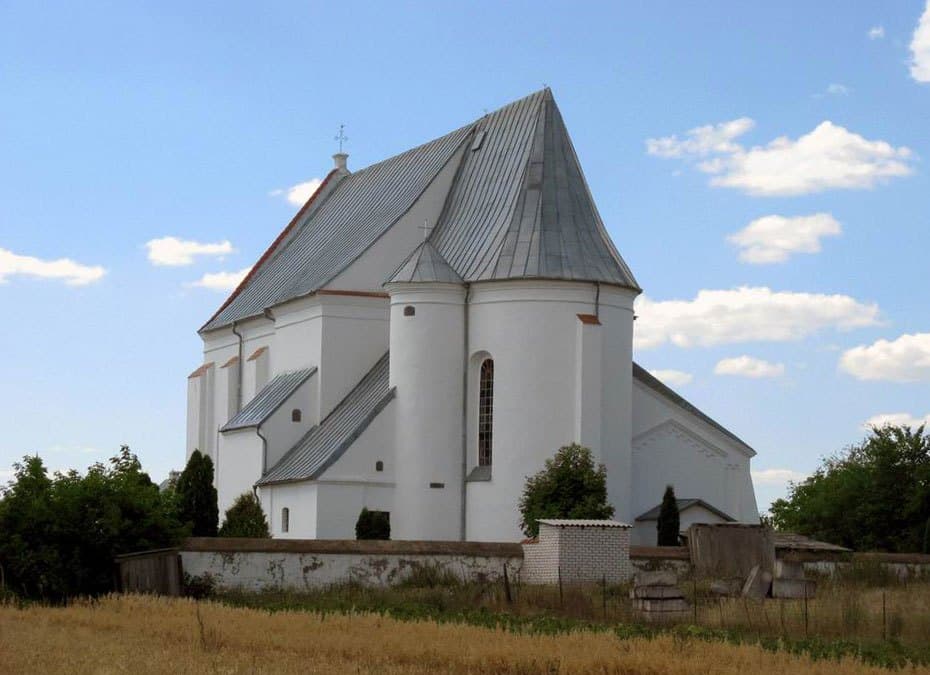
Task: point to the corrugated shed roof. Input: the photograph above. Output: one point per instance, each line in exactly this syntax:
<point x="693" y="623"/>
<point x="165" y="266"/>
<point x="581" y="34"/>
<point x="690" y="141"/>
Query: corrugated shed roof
<point x="683" y="504"/>
<point x="425" y="264"/>
<point x="326" y="443"/>
<point x="565" y="522"/>
<point x="651" y="381"/>
<point x="360" y="208"/>
<point x="518" y="208"/>
<point x="270" y="398"/>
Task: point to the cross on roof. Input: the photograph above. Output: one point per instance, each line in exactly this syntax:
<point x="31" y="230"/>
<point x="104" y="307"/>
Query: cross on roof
<point x="427" y="228"/>
<point x="341" y="136"/>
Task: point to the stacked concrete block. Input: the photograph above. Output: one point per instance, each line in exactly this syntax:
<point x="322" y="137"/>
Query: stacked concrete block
<point x="657" y="597"/>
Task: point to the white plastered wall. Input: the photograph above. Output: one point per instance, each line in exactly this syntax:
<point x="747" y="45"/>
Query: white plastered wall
<point x="239" y="465"/>
<point x="531" y="331"/>
<point x="671" y="446"/>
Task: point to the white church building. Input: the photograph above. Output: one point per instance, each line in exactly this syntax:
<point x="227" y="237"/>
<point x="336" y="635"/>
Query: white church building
<point x="427" y="331"/>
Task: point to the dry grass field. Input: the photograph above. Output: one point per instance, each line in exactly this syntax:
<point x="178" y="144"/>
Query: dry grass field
<point x="136" y="634"/>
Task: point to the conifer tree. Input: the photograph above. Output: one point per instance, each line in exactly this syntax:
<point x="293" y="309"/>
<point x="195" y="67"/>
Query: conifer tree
<point x="245" y="518"/>
<point x="196" y="496"/>
<point x="669" y="521"/>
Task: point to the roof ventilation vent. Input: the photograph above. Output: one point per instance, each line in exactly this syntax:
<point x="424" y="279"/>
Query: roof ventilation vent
<point x="479" y="139"/>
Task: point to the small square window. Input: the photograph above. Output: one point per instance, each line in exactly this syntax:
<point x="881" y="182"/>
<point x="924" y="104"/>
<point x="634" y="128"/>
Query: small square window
<point x="295" y="415"/>
<point x="410" y="310"/>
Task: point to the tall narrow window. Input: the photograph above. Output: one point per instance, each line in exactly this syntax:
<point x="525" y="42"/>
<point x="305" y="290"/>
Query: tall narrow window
<point x="285" y="519"/>
<point x="485" y="412"/>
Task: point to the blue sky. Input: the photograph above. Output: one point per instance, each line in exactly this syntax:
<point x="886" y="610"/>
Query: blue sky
<point x="762" y="168"/>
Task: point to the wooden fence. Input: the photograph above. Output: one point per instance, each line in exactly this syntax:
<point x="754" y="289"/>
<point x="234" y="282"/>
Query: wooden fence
<point x="158" y="571"/>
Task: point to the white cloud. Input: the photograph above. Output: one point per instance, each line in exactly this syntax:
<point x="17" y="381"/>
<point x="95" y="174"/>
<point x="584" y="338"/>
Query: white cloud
<point x="6" y="475"/>
<point x="920" y="48"/>
<point x="221" y="281"/>
<point x="772" y="239"/>
<point x="174" y="252"/>
<point x="898" y="420"/>
<point x="776" y="476"/>
<point x="905" y="359"/>
<point x="876" y="32"/>
<point x="745" y="314"/>
<point x="837" y="89"/>
<point x="828" y="157"/>
<point x="63" y="269"/>
<point x="748" y="366"/>
<point x="300" y="193"/>
<point x="673" y="378"/>
<point x="702" y="141"/>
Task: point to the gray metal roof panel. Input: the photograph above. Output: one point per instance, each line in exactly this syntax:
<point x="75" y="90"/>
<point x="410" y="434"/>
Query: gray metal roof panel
<point x="326" y="442"/>
<point x="270" y="398"/>
<point x="360" y="208"/>
<point x="651" y="381"/>
<point x="425" y="264"/>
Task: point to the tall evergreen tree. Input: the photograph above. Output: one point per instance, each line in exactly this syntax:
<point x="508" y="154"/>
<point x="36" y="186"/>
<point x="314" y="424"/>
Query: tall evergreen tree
<point x="196" y="496"/>
<point x="669" y="522"/>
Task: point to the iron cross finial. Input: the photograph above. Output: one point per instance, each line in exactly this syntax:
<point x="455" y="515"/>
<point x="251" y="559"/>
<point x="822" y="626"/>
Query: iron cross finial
<point x="341" y="136"/>
<point x="427" y="228"/>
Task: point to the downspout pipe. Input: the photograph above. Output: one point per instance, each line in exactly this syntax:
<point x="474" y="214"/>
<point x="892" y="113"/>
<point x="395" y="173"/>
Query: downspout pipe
<point x="597" y="299"/>
<point x="235" y="330"/>
<point x="463" y="516"/>
<point x="258" y="430"/>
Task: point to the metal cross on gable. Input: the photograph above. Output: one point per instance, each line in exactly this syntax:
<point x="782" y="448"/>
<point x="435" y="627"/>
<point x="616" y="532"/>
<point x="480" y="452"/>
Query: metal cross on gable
<point x="427" y="228"/>
<point x="341" y="136"/>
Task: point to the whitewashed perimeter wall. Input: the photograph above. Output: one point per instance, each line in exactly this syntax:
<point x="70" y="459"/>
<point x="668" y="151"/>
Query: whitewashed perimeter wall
<point x="296" y="571"/>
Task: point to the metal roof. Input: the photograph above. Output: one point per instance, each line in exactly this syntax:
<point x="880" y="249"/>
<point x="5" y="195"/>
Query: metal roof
<point x="360" y="208"/>
<point x="651" y="381"/>
<point x="325" y="443"/>
<point x="270" y="398"/>
<point x="425" y="264"/>
<point x="518" y="208"/>
<point x="683" y="504"/>
<point x="567" y="522"/>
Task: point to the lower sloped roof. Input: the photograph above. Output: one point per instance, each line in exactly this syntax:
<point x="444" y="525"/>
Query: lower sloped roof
<point x="326" y="442"/>
<point x="683" y="504"/>
<point x="270" y="398"/>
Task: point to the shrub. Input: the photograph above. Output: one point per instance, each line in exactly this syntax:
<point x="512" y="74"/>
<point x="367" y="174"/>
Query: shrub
<point x="196" y="496"/>
<point x="373" y="525"/>
<point x="669" y="521"/>
<point x="569" y="486"/>
<point x="245" y="518"/>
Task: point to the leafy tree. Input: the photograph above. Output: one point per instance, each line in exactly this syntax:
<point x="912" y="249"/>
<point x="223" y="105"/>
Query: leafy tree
<point x="373" y="525"/>
<point x="873" y="496"/>
<point x="59" y="535"/>
<point x="669" y="522"/>
<point x="245" y="518"/>
<point x="569" y="486"/>
<point x="196" y="496"/>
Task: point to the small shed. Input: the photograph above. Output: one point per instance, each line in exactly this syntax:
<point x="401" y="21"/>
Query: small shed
<point x="578" y="551"/>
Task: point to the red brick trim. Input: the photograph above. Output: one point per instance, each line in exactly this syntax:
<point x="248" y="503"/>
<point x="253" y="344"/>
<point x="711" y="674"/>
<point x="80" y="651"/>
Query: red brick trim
<point x="258" y="352"/>
<point x="357" y="294"/>
<point x="201" y="370"/>
<point x="589" y="319"/>
<point x="351" y="546"/>
<point x="233" y="361"/>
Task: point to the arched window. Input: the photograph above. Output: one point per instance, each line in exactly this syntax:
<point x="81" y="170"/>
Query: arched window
<point x="285" y="519"/>
<point x="295" y="415"/>
<point x="379" y="465"/>
<point x="485" y="412"/>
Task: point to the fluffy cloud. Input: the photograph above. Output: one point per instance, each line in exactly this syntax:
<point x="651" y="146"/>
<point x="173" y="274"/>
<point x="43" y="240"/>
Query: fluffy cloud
<point x="748" y="366"/>
<point x="745" y="314"/>
<point x="174" y="252"/>
<point x="898" y="420"/>
<point x="905" y="359"/>
<point x="300" y="193"/>
<point x="920" y="48"/>
<point x="673" y="378"/>
<point x="221" y="281"/>
<point x="702" y="141"/>
<point x="62" y="269"/>
<point x="772" y="239"/>
<point x="828" y="157"/>
<point x="776" y="476"/>
<point x="876" y="32"/>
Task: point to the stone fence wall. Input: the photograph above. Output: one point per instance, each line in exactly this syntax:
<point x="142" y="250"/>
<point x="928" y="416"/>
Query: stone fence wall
<point x="295" y="564"/>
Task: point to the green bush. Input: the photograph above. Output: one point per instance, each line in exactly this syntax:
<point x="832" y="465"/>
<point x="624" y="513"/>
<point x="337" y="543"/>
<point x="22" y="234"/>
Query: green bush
<point x="373" y="525"/>
<point x="245" y="518"/>
<point x="59" y="534"/>
<point x="569" y="486"/>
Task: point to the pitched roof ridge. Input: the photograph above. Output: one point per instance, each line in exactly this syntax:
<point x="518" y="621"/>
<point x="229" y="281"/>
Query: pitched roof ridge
<point x="414" y="265"/>
<point x="274" y="245"/>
